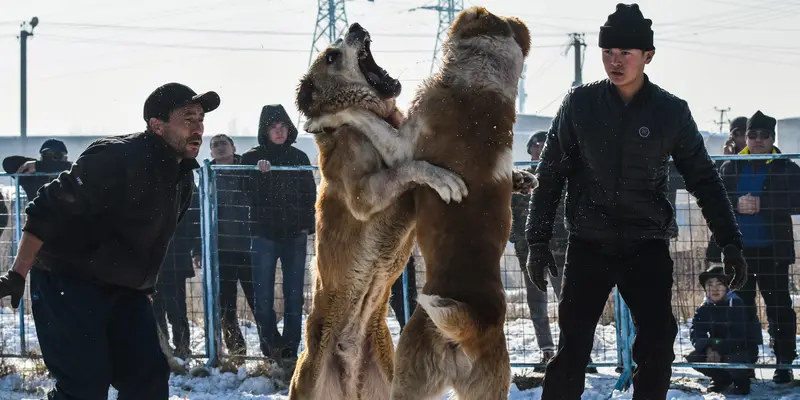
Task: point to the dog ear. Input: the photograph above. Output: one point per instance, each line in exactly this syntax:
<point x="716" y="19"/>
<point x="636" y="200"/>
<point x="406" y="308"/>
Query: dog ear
<point x="521" y="34"/>
<point x="305" y="94"/>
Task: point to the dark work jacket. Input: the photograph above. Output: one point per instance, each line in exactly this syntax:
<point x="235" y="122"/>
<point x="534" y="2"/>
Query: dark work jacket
<point x="186" y="242"/>
<point x="111" y="217"/>
<point x="780" y="198"/>
<point x="281" y="202"/>
<point x="726" y="326"/>
<point x="519" y="216"/>
<point x="614" y="159"/>
<point x="233" y="209"/>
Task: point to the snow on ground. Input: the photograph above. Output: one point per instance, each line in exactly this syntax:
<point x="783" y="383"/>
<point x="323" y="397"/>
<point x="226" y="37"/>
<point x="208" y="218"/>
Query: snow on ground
<point x="687" y="384"/>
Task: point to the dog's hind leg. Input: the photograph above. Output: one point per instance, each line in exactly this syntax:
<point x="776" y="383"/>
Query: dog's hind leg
<point x="420" y="361"/>
<point x="377" y="365"/>
<point x="490" y="374"/>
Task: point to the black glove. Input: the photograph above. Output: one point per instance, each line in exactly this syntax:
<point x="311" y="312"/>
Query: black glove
<point x="735" y="266"/>
<point x="540" y="258"/>
<point x="12" y="283"/>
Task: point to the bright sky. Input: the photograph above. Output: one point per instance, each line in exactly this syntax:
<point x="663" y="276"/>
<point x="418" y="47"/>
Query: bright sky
<point x="89" y="71"/>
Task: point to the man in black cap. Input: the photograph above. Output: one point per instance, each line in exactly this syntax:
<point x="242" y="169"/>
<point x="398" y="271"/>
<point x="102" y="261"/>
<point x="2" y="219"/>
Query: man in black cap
<point x="736" y="139"/>
<point x="765" y="194"/>
<point x="611" y="141"/>
<point x="52" y="159"/>
<point x="93" y="243"/>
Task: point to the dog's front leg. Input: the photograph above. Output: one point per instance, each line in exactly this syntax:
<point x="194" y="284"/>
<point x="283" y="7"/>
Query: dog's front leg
<point x="394" y="145"/>
<point x="374" y="193"/>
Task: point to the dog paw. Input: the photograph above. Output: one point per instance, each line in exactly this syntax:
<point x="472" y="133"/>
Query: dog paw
<point x="449" y="185"/>
<point x="322" y="123"/>
<point x="524" y="181"/>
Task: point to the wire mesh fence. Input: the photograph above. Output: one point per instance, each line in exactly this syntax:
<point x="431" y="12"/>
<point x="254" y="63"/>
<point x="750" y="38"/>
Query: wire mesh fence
<point x="237" y="282"/>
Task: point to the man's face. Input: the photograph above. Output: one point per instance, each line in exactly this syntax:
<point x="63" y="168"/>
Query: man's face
<point x="184" y="131"/>
<point x="221" y="148"/>
<point x="53" y="156"/>
<point x="739" y="138"/>
<point x="760" y="141"/>
<point x="278" y="133"/>
<point x="536" y="150"/>
<point x="715" y="289"/>
<point x="625" y="66"/>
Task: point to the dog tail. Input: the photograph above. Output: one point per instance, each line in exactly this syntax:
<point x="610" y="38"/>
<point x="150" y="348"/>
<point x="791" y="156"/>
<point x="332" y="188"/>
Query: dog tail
<point x="451" y="317"/>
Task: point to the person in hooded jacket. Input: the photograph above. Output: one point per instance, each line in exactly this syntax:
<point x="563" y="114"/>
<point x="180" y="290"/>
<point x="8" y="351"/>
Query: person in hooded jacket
<point x="282" y="209"/>
<point x="765" y="194"/>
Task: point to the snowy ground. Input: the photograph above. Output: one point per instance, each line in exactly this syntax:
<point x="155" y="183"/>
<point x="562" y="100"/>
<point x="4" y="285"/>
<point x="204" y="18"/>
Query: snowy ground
<point x="687" y="384"/>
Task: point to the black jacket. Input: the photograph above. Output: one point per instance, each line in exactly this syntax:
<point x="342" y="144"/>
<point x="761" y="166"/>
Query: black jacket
<point x="281" y="202"/>
<point x="111" y="217"/>
<point x="614" y="159"/>
<point x="233" y="209"/>
<point x="726" y="327"/>
<point x="186" y="242"/>
<point x="4" y="215"/>
<point x="780" y="198"/>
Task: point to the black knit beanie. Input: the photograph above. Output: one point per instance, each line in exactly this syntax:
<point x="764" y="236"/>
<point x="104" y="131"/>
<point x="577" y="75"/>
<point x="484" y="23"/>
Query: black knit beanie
<point x="761" y="122"/>
<point x="738" y="123"/>
<point x="627" y="28"/>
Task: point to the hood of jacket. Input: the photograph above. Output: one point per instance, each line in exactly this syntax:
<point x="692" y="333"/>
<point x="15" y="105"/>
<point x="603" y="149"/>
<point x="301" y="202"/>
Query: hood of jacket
<point x="270" y="114"/>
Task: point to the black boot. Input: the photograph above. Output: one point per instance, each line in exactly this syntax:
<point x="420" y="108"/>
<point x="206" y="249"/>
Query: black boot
<point x="782" y="375"/>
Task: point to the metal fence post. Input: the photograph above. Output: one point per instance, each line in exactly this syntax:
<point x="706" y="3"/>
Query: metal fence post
<point x="406" y="311"/>
<point x="208" y="229"/>
<point x="17" y="237"/>
<point x="625" y="335"/>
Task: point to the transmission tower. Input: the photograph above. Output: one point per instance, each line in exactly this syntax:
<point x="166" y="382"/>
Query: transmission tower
<point x="578" y="45"/>
<point x="722" y="121"/>
<point x="331" y="25"/>
<point x="447" y="14"/>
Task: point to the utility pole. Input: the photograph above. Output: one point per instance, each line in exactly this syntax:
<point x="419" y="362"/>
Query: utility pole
<point x="447" y="14"/>
<point x="24" y="33"/>
<point x="522" y="94"/>
<point x="722" y="121"/>
<point x="578" y="45"/>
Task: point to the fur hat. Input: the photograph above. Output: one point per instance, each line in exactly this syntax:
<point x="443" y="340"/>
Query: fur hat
<point x="761" y="122"/>
<point x="627" y="28"/>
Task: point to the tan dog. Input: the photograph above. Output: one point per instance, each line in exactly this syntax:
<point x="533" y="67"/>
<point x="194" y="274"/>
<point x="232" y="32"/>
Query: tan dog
<point x="462" y="118"/>
<point x="364" y="232"/>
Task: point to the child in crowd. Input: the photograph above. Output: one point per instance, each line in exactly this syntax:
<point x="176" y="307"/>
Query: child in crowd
<point x="724" y="330"/>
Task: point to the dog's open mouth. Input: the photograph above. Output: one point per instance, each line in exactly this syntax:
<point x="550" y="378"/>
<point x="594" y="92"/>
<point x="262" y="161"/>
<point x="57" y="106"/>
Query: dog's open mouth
<point x="376" y="76"/>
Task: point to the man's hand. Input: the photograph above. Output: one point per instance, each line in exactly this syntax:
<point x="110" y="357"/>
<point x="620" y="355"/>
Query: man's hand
<point x="540" y="259"/>
<point x="27" y="167"/>
<point x="712" y="356"/>
<point x="12" y="283"/>
<point x="263" y="166"/>
<point x="748" y="204"/>
<point x="735" y="266"/>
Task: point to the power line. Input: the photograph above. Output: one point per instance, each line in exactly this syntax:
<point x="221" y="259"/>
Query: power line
<point x="203" y="47"/>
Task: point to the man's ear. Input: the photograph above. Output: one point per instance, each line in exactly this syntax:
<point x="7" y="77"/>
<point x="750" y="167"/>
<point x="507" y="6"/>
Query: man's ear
<point x="648" y="56"/>
<point x="156" y="125"/>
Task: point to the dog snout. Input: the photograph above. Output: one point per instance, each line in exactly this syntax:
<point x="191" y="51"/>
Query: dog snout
<point x="357" y="32"/>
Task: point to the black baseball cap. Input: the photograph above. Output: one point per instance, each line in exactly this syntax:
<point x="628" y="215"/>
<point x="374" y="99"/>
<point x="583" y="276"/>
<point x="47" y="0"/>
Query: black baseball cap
<point x="53" y="145"/>
<point x="170" y="96"/>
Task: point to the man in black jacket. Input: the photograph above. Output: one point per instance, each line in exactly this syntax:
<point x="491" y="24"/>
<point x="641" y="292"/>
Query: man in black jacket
<point x="96" y="237"/>
<point x="52" y="159"/>
<point x="282" y="204"/>
<point x="765" y="194"/>
<point x="233" y="242"/>
<point x="611" y="141"/>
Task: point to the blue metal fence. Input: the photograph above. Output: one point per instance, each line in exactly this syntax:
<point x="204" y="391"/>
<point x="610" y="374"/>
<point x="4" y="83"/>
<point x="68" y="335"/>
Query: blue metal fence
<point x="625" y="331"/>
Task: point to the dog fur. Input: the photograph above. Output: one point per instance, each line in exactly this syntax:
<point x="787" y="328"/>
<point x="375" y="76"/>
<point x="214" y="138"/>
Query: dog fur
<point x="364" y="233"/>
<point x="462" y="118"/>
